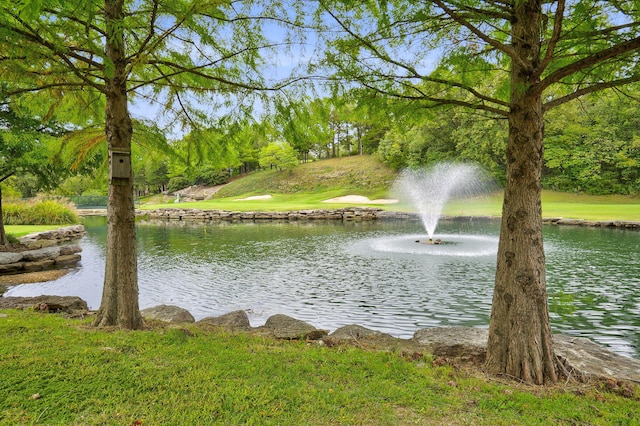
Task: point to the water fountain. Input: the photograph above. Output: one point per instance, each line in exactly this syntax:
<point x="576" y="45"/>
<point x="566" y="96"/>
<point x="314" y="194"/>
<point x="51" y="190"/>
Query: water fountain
<point x="429" y="189"/>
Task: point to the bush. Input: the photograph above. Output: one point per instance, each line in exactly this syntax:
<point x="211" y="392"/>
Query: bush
<point x="177" y="183"/>
<point x="89" y="200"/>
<point x="12" y="239"/>
<point x="208" y="176"/>
<point x="39" y="212"/>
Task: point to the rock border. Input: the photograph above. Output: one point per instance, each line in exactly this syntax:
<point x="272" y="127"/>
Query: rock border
<point x="45" y="250"/>
<point x="345" y="214"/>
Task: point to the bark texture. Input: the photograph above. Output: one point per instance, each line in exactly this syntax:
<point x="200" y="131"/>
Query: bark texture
<point x="520" y="341"/>
<point x="119" y="305"/>
<point x="3" y="234"/>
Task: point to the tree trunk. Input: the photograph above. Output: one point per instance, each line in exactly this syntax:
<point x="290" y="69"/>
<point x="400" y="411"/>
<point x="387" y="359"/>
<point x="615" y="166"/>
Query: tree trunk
<point x="3" y="234"/>
<point x="119" y="305"/>
<point x="520" y="340"/>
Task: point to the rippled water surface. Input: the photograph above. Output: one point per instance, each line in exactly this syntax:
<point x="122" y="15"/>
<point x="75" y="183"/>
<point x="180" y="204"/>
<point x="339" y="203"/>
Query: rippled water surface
<point x="380" y="275"/>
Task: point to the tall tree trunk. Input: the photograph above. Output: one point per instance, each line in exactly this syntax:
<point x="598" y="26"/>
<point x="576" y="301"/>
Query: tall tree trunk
<point x="3" y="234"/>
<point x="119" y="305"/>
<point x="520" y="340"/>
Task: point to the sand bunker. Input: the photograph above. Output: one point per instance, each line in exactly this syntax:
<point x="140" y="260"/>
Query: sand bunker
<point x="359" y="199"/>
<point x="256" y="197"/>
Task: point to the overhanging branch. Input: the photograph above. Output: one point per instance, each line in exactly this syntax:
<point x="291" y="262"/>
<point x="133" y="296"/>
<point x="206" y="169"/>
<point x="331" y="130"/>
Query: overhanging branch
<point x="504" y="48"/>
<point x="590" y="89"/>
<point x="587" y="62"/>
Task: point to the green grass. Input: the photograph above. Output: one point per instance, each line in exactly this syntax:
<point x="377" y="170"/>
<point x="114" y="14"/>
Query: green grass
<point x="553" y="205"/>
<point x="365" y="174"/>
<point x="307" y="186"/>
<point x="278" y="202"/>
<point x="22" y="230"/>
<point x="39" y="212"/>
<point x="590" y="207"/>
<point x="192" y="375"/>
<point x="558" y="204"/>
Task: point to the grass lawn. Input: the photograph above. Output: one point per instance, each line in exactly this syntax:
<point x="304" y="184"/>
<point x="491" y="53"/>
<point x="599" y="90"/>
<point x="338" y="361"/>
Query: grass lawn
<point x="590" y="207"/>
<point x="554" y="204"/>
<point x="278" y="202"/>
<point x="56" y="370"/>
<point x="22" y="230"/>
<point x="308" y="185"/>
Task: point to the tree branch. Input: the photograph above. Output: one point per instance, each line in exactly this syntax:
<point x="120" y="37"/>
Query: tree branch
<point x="553" y="41"/>
<point x="590" y="89"/>
<point x="147" y="40"/>
<point x="373" y="49"/>
<point x="7" y="176"/>
<point x="197" y="70"/>
<point x="75" y="19"/>
<point x="506" y="49"/>
<point x="437" y="101"/>
<point x="45" y="86"/>
<point x="589" y="61"/>
<point x="32" y="36"/>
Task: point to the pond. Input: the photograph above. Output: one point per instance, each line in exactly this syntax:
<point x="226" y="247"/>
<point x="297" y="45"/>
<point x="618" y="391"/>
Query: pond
<point x="374" y="274"/>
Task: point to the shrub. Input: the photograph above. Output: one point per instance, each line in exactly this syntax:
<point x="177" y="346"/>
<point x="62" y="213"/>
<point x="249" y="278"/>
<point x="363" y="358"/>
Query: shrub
<point x="12" y="239"/>
<point x="209" y="176"/>
<point x="39" y="212"/>
<point x="177" y="183"/>
<point x="89" y="200"/>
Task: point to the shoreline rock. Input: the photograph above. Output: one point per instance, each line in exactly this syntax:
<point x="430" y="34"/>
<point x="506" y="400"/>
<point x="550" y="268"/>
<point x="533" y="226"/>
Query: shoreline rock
<point x="68" y="304"/>
<point x="43" y="251"/>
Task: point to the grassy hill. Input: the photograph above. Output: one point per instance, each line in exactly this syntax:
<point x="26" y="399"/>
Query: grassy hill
<point x="309" y="185"/>
<point x="363" y="175"/>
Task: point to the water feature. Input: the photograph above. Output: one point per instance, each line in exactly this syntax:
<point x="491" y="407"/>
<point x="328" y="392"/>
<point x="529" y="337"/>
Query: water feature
<point x="370" y="273"/>
<point x="429" y="189"/>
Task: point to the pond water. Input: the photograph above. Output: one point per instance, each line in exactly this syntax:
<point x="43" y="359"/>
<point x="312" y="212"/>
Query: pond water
<point x="374" y="274"/>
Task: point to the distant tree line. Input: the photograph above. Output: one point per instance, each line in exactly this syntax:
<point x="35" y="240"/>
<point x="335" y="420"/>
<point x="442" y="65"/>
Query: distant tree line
<point x="592" y="146"/>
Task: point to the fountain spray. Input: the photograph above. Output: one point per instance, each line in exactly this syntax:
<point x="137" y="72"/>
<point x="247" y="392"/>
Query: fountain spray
<point x="429" y="189"/>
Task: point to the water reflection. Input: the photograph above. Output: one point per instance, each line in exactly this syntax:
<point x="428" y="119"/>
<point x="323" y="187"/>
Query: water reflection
<point x="374" y="274"/>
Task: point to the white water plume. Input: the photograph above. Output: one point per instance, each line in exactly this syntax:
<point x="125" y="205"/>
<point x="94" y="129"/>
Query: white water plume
<point x="429" y="189"/>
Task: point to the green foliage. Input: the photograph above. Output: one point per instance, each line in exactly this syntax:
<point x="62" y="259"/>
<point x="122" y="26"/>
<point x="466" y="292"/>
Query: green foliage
<point x="39" y="212"/>
<point x="28" y="151"/>
<point x="459" y="54"/>
<point x="89" y="200"/>
<point x="68" y="39"/>
<point x="177" y="183"/>
<point x="10" y="189"/>
<point x="12" y="239"/>
<point x="196" y="375"/>
<point x="453" y="135"/>
<point x="208" y="175"/>
<point x="362" y="174"/>
<point x="78" y="185"/>
<point x="282" y="156"/>
<point x="393" y="149"/>
<point x="594" y="147"/>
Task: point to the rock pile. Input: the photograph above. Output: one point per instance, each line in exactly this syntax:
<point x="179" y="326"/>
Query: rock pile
<point x="43" y="251"/>
<point x="351" y="213"/>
